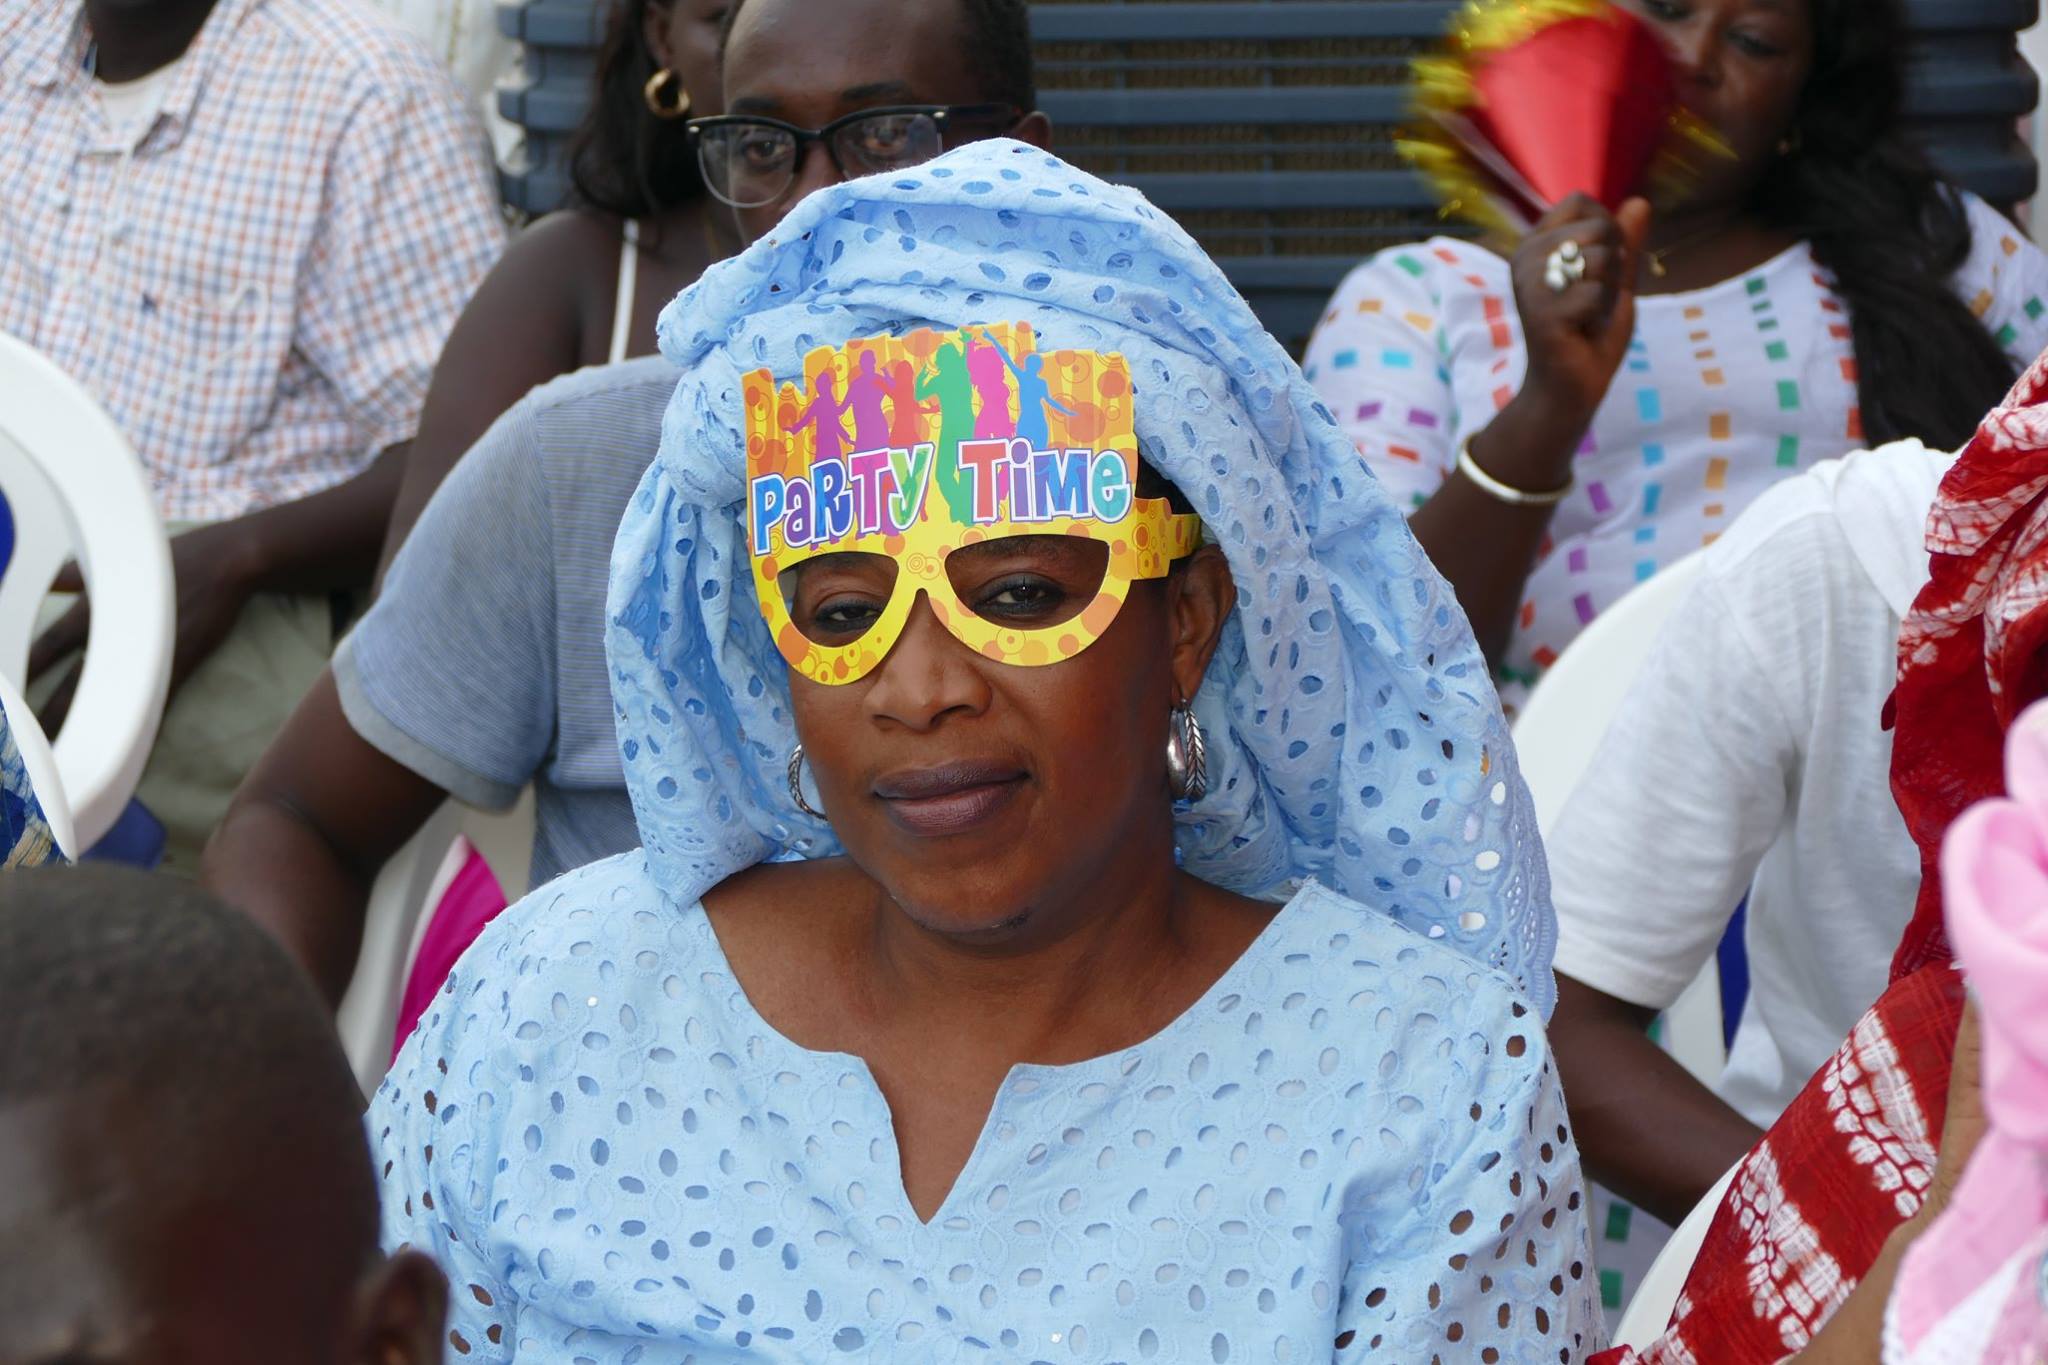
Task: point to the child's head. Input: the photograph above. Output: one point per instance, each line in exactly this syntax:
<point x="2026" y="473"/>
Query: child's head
<point x="183" y="1170"/>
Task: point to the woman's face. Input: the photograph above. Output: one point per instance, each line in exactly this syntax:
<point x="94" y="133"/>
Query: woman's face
<point x="683" y="36"/>
<point x="809" y="62"/>
<point x="982" y="795"/>
<point x="1743" y="64"/>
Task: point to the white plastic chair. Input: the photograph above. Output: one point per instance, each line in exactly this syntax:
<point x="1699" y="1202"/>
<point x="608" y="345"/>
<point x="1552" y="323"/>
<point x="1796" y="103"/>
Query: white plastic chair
<point x="401" y="901"/>
<point x="1560" y="730"/>
<point x="1649" y="1311"/>
<point x="41" y="765"/>
<point x="75" y="488"/>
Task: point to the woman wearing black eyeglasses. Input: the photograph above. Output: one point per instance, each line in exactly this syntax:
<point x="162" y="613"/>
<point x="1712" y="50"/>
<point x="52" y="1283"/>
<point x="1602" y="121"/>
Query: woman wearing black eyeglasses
<point x="799" y="117"/>
<point x="582" y="287"/>
<point x="481" y="668"/>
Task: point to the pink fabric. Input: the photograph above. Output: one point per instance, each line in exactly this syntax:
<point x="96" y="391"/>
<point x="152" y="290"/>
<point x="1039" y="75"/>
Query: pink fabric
<point x="2020" y="1332"/>
<point x="1995" y="886"/>
<point x="1999" y="1212"/>
<point x="473" y="899"/>
<point x="1995" y="875"/>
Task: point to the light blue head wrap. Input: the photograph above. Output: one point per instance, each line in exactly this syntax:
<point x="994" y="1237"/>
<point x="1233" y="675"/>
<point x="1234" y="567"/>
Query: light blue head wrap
<point x="1353" y="731"/>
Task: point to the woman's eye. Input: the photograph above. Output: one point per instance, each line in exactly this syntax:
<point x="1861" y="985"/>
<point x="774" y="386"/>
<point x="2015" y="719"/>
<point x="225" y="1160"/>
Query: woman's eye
<point x="1667" y="10"/>
<point x="884" y="137"/>
<point x="1752" y="45"/>
<point x="845" y="616"/>
<point x="835" y="599"/>
<point x="762" y="151"/>
<point x="1020" y="597"/>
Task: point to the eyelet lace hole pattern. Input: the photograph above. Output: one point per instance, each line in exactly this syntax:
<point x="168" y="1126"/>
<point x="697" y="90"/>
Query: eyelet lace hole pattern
<point x="1355" y="1143"/>
<point x="1354" y="735"/>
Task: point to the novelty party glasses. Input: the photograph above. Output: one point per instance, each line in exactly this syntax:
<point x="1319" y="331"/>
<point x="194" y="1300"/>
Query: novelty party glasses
<point x="998" y="482"/>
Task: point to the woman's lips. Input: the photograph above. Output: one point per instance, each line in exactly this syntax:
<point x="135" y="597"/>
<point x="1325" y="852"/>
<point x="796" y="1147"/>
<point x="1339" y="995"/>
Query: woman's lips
<point x="950" y="799"/>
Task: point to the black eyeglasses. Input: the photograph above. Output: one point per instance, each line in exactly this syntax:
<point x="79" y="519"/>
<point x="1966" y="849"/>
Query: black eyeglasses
<point x="751" y="161"/>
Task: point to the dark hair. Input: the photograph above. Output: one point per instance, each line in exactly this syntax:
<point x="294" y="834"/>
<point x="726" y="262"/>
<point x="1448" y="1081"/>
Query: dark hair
<point x="111" y="977"/>
<point x="1153" y="484"/>
<point x="622" y="159"/>
<point x="1889" y="230"/>
<point x="998" y="49"/>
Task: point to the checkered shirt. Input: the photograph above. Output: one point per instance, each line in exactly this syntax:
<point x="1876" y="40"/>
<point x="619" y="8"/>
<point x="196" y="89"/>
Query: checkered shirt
<point x="257" y="290"/>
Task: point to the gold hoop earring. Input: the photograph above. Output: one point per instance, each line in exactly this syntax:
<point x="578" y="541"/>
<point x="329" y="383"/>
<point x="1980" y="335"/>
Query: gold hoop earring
<point x="656" y="95"/>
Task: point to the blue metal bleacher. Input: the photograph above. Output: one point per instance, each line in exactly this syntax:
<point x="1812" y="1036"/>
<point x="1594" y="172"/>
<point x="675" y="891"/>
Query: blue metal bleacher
<point x="558" y="41"/>
<point x="1266" y="126"/>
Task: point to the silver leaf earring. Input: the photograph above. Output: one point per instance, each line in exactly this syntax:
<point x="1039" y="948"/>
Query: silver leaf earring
<point x="796" y="784"/>
<point x="1187" y="754"/>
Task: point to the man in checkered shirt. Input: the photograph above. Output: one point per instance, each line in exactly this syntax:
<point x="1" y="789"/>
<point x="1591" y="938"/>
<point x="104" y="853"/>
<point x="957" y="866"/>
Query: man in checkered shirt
<point x="246" y="226"/>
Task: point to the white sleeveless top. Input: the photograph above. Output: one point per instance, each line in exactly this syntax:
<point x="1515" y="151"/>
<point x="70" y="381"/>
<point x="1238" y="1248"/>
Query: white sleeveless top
<point x="622" y="299"/>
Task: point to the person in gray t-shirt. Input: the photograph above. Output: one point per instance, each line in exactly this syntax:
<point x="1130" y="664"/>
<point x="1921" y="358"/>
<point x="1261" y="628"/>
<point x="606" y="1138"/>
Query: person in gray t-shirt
<point x="480" y="669"/>
<point x="482" y="666"/>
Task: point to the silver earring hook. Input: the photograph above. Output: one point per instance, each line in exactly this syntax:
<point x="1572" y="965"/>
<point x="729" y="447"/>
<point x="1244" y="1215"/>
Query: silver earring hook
<point x="796" y="784"/>
<point x="1187" y="754"/>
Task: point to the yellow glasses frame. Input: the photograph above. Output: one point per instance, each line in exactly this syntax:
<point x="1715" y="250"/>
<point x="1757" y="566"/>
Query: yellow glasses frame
<point x="1085" y="413"/>
<point x="1144" y="546"/>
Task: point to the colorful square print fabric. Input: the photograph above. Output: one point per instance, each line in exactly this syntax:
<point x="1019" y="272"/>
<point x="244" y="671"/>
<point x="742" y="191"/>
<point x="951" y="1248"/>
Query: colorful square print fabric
<point x="1724" y="391"/>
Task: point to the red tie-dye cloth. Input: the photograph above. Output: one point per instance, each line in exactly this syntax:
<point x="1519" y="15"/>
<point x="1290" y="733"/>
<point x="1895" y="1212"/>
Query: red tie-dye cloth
<point x="1812" y="1204"/>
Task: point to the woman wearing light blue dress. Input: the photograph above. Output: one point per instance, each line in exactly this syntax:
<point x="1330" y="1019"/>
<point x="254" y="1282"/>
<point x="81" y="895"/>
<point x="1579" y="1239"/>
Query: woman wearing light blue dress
<point x="1176" y="997"/>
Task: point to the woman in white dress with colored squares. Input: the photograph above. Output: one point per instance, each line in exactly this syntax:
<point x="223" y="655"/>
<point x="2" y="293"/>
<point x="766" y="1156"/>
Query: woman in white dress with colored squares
<point x="1819" y="291"/>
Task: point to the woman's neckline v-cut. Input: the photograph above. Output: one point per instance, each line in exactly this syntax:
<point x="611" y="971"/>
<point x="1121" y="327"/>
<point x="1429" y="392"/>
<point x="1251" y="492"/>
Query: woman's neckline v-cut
<point x="1355" y="1136"/>
<point x="1019" y="1072"/>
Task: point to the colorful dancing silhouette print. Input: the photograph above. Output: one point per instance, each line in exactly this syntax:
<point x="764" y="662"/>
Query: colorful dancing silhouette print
<point x="825" y="415"/>
<point x="906" y="414"/>
<point x="864" y="395"/>
<point x="950" y="382"/>
<point x="986" y="367"/>
<point x="1034" y="396"/>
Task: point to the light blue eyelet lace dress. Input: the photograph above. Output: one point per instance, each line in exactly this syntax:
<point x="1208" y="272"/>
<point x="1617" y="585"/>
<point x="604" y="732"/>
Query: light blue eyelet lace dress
<point x="1352" y="1148"/>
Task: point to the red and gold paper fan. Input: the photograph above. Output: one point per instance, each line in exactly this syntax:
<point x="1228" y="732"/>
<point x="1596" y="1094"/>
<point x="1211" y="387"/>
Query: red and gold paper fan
<point x="1539" y="99"/>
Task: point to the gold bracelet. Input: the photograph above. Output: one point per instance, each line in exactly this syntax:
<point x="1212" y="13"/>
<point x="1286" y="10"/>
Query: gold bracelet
<point x="1517" y="497"/>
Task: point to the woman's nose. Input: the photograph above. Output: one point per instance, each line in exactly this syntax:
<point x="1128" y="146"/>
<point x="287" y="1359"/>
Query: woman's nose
<point x="815" y="169"/>
<point x="927" y="676"/>
<point x="1695" y="50"/>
